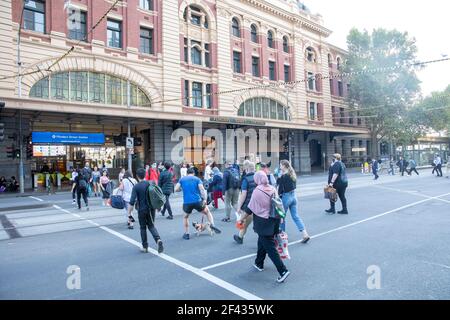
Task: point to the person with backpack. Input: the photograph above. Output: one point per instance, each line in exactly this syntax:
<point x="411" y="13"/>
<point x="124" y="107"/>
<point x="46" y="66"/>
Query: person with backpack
<point x="146" y="214"/>
<point x="104" y="185"/>
<point x="216" y="186"/>
<point x="248" y="186"/>
<point x="126" y="185"/>
<point x="166" y="183"/>
<point x="337" y="178"/>
<point x="412" y="167"/>
<point x="86" y="172"/>
<point x="265" y="226"/>
<point x="81" y="187"/>
<point x="231" y="184"/>
<point x="194" y="197"/>
<point x="74" y="183"/>
<point x="287" y="184"/>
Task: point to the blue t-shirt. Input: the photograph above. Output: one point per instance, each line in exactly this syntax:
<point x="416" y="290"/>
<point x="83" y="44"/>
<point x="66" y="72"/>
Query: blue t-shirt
<point x="191" y="193"/>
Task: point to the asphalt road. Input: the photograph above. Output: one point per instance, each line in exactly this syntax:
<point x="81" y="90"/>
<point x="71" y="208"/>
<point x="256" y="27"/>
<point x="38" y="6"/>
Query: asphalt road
<point x="397" y="226"/>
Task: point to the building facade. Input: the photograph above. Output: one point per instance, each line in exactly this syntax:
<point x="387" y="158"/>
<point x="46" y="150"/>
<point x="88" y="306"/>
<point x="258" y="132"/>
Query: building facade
<point x="165" y="65"/>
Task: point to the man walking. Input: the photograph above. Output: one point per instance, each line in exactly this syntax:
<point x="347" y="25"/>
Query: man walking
<point x="438" y="165"/>
<point x="166" y="183"/>
<point x="146" y="215"/>
<point x="412" y="167"/>
<point x="401" y="165"/>
<point x="375" y="168"/>
<point x="194" y="197"/>
<point x="81" y="186"/>
<point x="231" y="184"/>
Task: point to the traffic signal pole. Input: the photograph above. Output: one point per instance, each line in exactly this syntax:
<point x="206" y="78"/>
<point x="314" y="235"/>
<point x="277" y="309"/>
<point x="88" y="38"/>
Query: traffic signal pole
<point x="19" y="88"/>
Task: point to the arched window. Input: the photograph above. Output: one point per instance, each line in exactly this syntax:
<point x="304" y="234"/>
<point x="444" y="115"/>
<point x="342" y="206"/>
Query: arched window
<point x="330" y="60"/>
<point x="92" y="87"/>
<point x="311" y="55"/>
<point x="264" y="108"/>
<point x="270" y="39"/>
<point x="285" y="44"/>
<point x="338" y="62"/>
<point x="236" y="28"/>
<point x="196" y="15"/>
<point x="254" y="33"/>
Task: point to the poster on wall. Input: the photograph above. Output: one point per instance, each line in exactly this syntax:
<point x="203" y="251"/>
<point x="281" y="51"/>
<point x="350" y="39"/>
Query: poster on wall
<point x="49" y="151"/>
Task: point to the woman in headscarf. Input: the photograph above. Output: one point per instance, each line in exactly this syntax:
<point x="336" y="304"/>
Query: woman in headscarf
<point x="216" y="186"/>
<point x="265" y="226"/>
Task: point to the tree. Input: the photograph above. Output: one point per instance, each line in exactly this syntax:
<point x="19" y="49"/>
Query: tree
<point x="383" y="93"/>
<point x="435" y="110"/>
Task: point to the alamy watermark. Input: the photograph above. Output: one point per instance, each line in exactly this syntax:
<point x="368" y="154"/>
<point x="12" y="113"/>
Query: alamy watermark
<point x="226" y="145"/>
<point x="73" y="281"/>
<point x="374" y="279"/>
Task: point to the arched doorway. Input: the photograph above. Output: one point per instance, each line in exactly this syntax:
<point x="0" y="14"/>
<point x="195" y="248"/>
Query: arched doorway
<point x="315" y="153"/>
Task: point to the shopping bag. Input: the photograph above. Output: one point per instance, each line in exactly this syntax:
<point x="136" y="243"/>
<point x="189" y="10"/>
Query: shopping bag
<point x="330" y="193"/>
<point x="281" y="242"/>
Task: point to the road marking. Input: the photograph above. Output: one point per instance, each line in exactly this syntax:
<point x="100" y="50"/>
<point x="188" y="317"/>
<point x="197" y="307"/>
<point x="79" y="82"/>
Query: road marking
<point x="35" y="198"/>
<point x="209" y="277"/>
<point x="415" y="193"/>
<point x="437" y="264"/>
<point x="9" y="228"/>
<point x="332" y="230"/>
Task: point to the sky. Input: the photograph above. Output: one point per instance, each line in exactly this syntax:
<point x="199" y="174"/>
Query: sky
<point x="427" y="21"/>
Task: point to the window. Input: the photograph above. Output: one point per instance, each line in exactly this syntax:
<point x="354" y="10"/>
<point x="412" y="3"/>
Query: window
<point x="287" y="73"/>
<point x="40" y="89"/>
<point x="195" y="15"/>
<point x="333" y="113"/>
<point x="254" y="33"/>
<point x="330" y="60"/>
<point x="359" y="118"/>
<point x="146" y="4"/>
<point x="60" y="86"/>
<point x="340" y="89"/>
<point x="285" y="44"/>
<point x="84" y="86"/>
<point x="79" y="86"/>
<point x="270" y="42"/>
<point x="255" y="66"/>
<point x="146" y="40"/>
<point x="272" y="73"/>
<point x="332" y="86"/>
<point x="237" y="62"/>
<point x="208" y="97"/>
<point x="350" y="120"/>
<point x="312" y="111"/>
<point x="186" y="50"/>
<point x="78" y="28"/>
<point x="34" y="16"/>
<point x="196" y="53"/>
<point x="197" y="94"/>
<point x="310" y="55"/>
<point x="186" y="93"/>
<point x="341" y="115"/>
<point x="235" y="28"/>
<point x="338" y="62"/>
<point x="114" y="34"/>
<point x="352" y="145"/>
<point x="263" y="108"/>
<point x="207" y="56"/>
<point x="311" y="81"/>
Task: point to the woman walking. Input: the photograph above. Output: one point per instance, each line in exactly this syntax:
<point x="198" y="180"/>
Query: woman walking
<point x="104" y="182"/>
<point x="337" y="178"/>
<point x="127" y="184"/>
<point x="265" y="226"/>
<point x="216" y="186"/>
<point x="166" y="183"/>
<point x="287" y="184"/>
<point x="96" y="181"/>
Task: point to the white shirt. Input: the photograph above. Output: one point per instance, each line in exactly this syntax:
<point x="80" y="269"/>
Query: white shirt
<point x="208" y="173"/>
<point x="128" y="185"/>
<point x="183" y="172"/>
<point x="74" y="175"/>
<point x="437" y="160"/>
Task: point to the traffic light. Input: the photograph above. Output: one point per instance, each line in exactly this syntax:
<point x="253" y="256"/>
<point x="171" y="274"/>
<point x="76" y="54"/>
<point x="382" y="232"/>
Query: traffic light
<point x="29" y="147"/>
<point x="17" y="153"/>
<point x="10" y="151"/>
<point x="2" y="131"/>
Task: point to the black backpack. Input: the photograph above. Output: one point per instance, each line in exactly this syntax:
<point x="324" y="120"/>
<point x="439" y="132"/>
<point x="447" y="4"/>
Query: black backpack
<point x="234" y="179"/>
<point x="82" y="183"/>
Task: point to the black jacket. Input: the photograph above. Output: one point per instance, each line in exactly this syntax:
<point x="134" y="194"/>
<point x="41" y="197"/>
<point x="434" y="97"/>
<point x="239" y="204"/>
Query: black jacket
<point x="166" y="182"/>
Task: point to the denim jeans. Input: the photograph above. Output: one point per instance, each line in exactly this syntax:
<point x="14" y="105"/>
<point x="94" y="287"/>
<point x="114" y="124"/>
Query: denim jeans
<point x="290" y="203"/>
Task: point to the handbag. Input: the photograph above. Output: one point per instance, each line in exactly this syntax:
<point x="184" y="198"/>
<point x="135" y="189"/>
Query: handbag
<point x="282" y="242"/>
<point x="330" y="193"/>
<point x="117" y="201"/>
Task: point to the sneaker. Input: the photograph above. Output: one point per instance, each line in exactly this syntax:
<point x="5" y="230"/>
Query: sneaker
<point x="186" y="236"/>
<point x="160" y="246"/>
<point x="330" y="211"/>
<point x="73" y="201"/>
<point x="163" y="213"/>
<point x="226" y="220"/>
<point x="130" y="227"/>
<point x="213" y="228"/>
<point x="283" y="276"/>
<point x="260" y="269"/>
<point x="305" y="239"/>
<point x="343" y="212"/>
<point x="144" y="250"/>
<point x="238" y="239"/>
<point x="169" y="218"/>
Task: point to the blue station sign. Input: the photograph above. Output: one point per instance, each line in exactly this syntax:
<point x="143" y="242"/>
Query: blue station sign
<point x="68" y="137"/>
